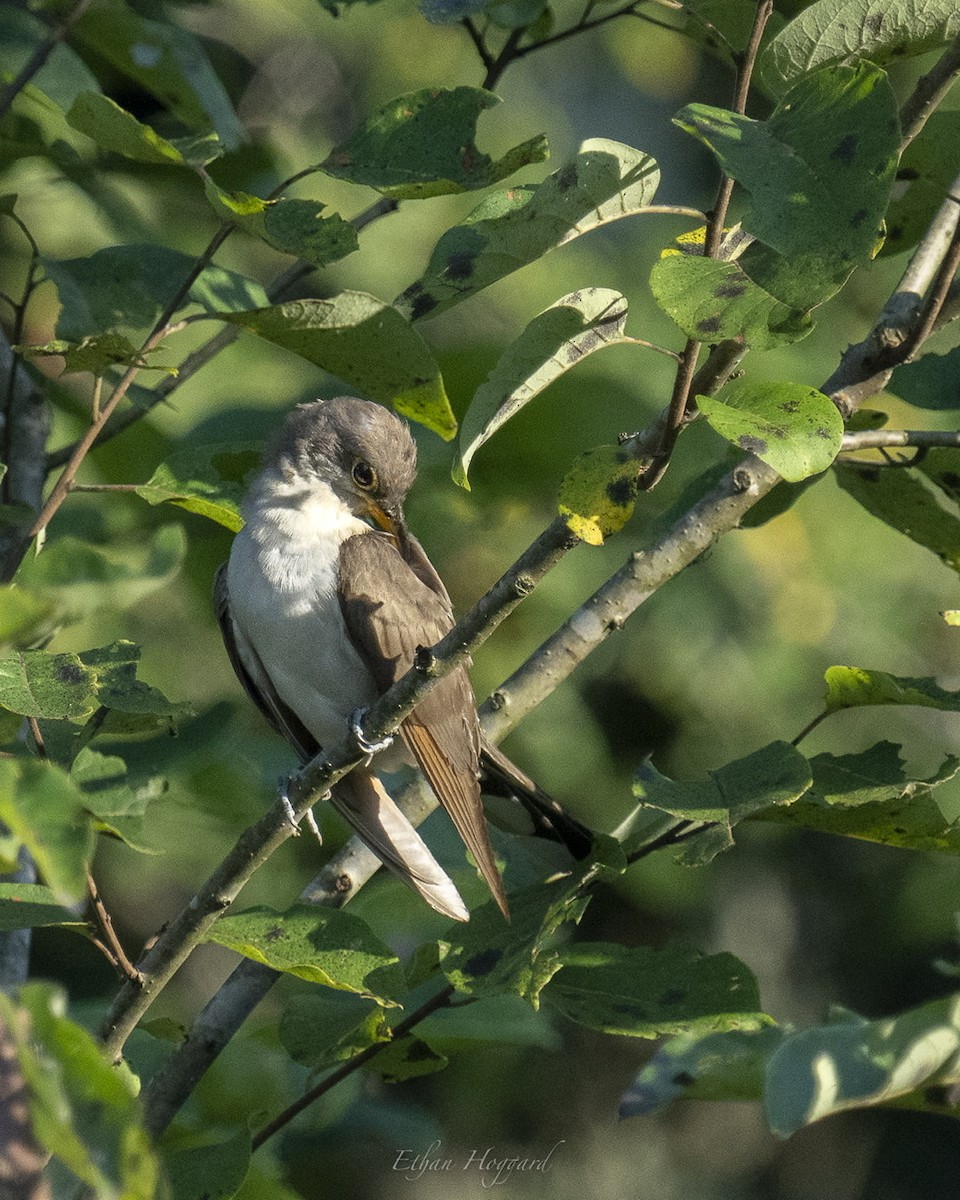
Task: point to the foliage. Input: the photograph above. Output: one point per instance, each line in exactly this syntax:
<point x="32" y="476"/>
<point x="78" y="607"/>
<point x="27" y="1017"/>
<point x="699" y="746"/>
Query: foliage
<point x="151" y="221"/>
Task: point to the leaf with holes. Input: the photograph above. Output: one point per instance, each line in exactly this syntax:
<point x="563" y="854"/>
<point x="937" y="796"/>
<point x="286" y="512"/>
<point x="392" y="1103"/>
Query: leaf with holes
<point x="423" y="144"/>
<point x="208" y="480"/>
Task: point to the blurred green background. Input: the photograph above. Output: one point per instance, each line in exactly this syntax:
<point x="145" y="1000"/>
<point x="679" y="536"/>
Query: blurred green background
<point x="726" y="658"/>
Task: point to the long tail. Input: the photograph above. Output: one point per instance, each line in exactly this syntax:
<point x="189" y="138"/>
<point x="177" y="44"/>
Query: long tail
<point x="368" y="809"/>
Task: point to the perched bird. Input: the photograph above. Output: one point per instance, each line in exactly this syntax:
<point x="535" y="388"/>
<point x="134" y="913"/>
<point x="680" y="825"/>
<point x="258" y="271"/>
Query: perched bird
<point x="322" y="605"/>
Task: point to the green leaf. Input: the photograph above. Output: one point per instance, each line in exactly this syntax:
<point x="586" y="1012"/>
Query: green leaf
<point x="853" y="687"/>
<point x="115" y="129"/>
<point x="696" y="1066"/>
<point x="291" y="226"/>
<point x="63" y="74"/>
<point x="325" y="946"/>
<point x="776" y="775"/>
<point x="598" y="493"/>
<point x="837" y="30"/>
<point x="908" y="502"/>
<point x="604" y="182"/>
<point x="639" y="991"/>
<point x="567" y="332"/>
<point x="924" y="177"/>
<point x="94" y="354"/>
<point x="165" y="59"/>
<point x="30" y="905"/>
<point x="820" y="172"/>
<point x="855" y="1063"/>
<point x="117" y="805"/>
<point x="488" y="956"/>
<point x="23" y="614"/>
<point x="933" y="381"/>
<point x="407" y="1058"/>
<point x="870" y="796"/>
<point x="43" y="810"/>
<point x="364" y="342"/>
<point x="795" y="429"/>
<point x="208" y="480"/>
<point x="84" y="1109"/>
<point x="211" y="1172"/>
<point x="424" y="144"/>
<point x="35" y="683"/>
<point x="713" y="301"/>
<point x="131" y="285"/>
<point x="321" y="1029"/>
<point x="119" y="688"/>
<point x="84" y="577"/>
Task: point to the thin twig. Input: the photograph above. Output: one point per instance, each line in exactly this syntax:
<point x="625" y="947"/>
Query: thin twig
<point x="113" y="948"/>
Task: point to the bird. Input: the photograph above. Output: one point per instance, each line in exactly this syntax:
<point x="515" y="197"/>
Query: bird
<point x="323" y="603"/>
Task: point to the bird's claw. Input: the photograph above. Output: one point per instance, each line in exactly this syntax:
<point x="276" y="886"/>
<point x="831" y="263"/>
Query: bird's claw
<point x="362" y="741"/>
<point x="283" y="795"/>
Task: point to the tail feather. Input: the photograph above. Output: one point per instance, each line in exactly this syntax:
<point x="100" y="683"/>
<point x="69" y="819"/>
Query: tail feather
<point x="369" y="810"/>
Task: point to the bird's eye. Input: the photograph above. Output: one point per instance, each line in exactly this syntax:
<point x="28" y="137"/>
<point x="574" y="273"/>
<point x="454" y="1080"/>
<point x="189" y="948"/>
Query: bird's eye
<point x="364" y="476"/>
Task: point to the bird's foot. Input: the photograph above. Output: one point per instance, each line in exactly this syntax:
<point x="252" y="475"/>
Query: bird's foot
<point x="362" y="741"/>
<point x="308" y="819"/>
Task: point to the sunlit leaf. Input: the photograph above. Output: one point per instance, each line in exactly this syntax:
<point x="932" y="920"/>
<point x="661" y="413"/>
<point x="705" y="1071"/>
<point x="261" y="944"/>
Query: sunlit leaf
<point x="115" y="129"/>
<point x="853" y="687"/>
<point x="604" y="182"/>
<point x="364" y="342"/>
<point x="321" y="945"/>
<point x="794" y="429"/>
<point x="713" y="301"/>
<point x="837" y="30"/>
<point x="207" y="480"/>
<point x="820" y="172"/>
<point x="559" y="338"/>
<point x="598" y="493"/>
<point x="423" y="144"/>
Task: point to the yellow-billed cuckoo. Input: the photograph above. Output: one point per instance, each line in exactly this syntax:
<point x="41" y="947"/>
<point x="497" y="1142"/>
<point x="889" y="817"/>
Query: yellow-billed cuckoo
<point x="323" y="604"/>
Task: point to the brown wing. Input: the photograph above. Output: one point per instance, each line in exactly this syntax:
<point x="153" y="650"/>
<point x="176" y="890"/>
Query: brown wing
<point x="390" y="608"/>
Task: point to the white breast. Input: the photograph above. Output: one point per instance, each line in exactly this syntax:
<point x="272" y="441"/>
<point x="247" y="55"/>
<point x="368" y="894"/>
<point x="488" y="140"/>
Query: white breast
<point x="282" y="582"/>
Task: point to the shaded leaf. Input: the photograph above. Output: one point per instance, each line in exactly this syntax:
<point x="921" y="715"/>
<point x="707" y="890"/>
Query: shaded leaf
<point x="924" y="175"/>
<point x="115" y="129"/>
<point x="84" y="1109"/>
<point x="795" y="429"/>
<point x="933" y="381"/>
<point x="116" y="804"/>
<point x="696" y="1066"/>
<point x="208" y="480"/>
<point x="63" y="74"/>
<point x="320" y="1029"/>
<point x="211" y="1172"/>
<point x="29" y="905"/>
<point x="94" y="354"/>
<point x="855" y="1063"/>
<point x="167" y="60"/>
<point x="489" y="956"/>
<point x="713" y="301"/>
<point x="775" y="775"/>
<point x="820" y="172"/>
<point x="325" y="946"/>
<point x="559" y="338"/>
<point x="639" y="991"/>
<point x="604" y="182"/>
<point x="407" y="1058"/>
<point x="131" y="285"/>
<point x="423" y="144"/>
<point x="910" y="503"/>
<point x="23" y="614"/>
<point x="43" y="810"/>
<point x="598" y="493"/>
<point x="84" y="577"/>
<point x="364" y="342"/>
<point x="837" y="30"/>
<point x="870" y="796"/>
